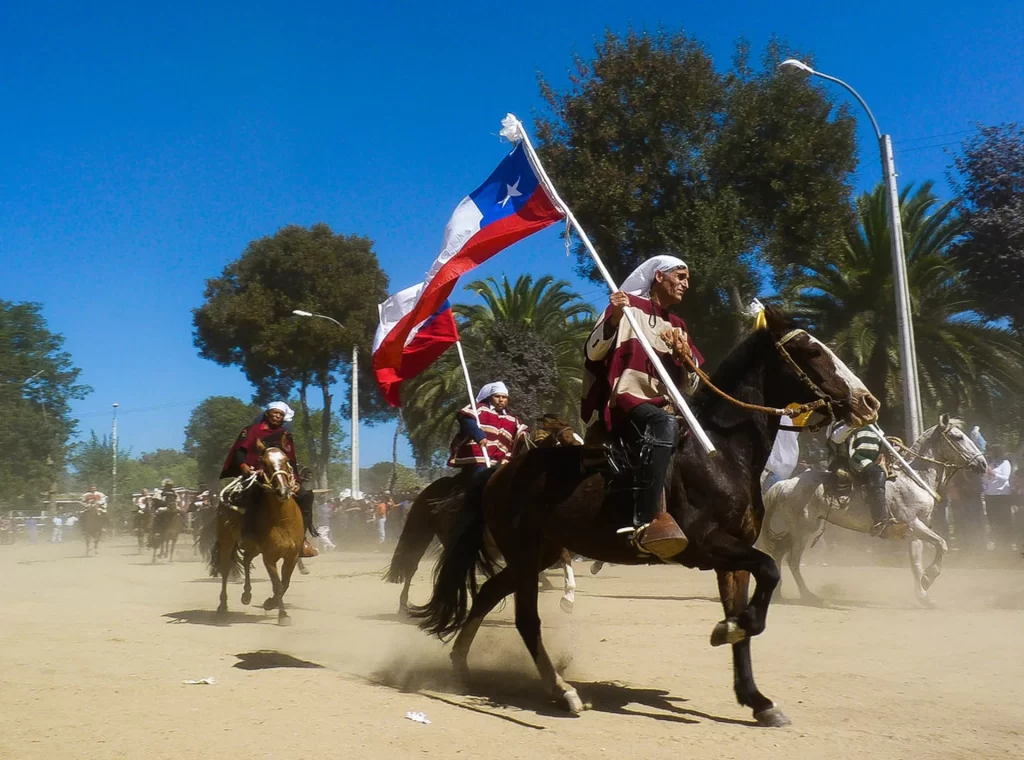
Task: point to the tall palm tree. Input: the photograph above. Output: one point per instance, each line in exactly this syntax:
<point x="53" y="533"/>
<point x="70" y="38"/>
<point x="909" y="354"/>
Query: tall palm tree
<point x="530" y="332"/>
<point x="963" y="360"/>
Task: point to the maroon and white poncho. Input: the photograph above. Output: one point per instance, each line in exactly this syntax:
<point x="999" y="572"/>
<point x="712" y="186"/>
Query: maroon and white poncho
<point x="618" y="376"/>
<point x="502" y="431"/>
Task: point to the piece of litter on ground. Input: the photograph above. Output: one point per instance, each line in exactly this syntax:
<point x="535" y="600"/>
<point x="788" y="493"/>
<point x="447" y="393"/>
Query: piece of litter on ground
<point x="204" y="681"/>
<point x="418" y="717"/>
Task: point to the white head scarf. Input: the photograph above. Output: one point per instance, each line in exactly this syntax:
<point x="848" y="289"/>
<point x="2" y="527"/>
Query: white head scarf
<point x="289" y="413"/>
<point x="491" y="389"/>
<point x="642" y="278"/>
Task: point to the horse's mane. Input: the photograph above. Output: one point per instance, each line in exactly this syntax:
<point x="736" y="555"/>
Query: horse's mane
<point x="733" y="368"/>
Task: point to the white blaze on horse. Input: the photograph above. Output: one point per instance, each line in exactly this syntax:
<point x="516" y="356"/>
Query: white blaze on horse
<point x="798" y="509"/>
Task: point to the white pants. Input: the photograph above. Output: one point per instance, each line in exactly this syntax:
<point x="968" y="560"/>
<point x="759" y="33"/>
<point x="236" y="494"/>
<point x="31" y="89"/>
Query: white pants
<point x="58" y="535"/>
<point x="382" y="529"/>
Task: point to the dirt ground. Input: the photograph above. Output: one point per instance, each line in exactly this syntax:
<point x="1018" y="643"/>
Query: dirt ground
<point x="94" y="652"/>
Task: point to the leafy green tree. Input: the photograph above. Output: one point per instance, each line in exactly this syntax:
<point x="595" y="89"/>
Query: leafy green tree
<point x="530" y="335"/>
<point x="989" y="180"/>
<point x="965" y="363"/>
<point x="657" y="151"/>
<point x="247" y="320"/>
<point x="212" y="427"/>
<point x="91" y="461"/>
<point x="38" y="381"/>
<point x="378" y="478"/>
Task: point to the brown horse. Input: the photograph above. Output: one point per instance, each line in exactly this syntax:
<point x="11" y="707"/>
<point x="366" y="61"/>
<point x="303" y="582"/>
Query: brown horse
<point x="91" y="521"/>
<point x="548" y="499"/>
<point x="142" y="524"/>
<point x="167" y="524"/>
<point x="431" y="516"/>
<point x="276" y="533"/>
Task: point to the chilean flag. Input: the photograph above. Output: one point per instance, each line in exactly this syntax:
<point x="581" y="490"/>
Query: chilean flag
<point x="509" y="206"/>
<point x="424" y="345"/>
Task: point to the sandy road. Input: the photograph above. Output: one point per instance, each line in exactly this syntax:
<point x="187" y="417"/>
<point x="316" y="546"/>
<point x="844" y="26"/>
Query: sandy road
<point x="94" y="652"/>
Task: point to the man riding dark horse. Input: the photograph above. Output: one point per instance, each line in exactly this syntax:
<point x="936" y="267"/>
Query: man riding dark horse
<point x="860" y="449"/>
<point x="244" y="458"/>
<point x="624" y="396"/>
<point x="492" y="427"/>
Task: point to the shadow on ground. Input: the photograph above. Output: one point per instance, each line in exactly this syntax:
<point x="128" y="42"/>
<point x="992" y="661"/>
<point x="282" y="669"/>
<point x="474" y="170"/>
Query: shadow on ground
<point x="265" y="659"/>
<point x="212" y="617"/>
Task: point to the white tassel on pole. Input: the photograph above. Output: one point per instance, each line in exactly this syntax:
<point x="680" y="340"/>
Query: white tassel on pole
<point x="512" y="129"/>
<point x="472" y="399"/>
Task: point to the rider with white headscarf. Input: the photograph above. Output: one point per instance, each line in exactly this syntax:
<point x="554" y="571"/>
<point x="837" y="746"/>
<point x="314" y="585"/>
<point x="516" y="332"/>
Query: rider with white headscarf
<point x="492" y="428"/>
<point x="270" y="430"/>
<point x="623" y="394"/>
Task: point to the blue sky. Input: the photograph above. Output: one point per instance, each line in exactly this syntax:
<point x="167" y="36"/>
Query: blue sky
<point x="144" y="146"/>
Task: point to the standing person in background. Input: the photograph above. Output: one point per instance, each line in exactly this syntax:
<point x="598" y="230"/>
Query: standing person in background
<point x="979" y="440"/>
<point x="998" y="498"/>
<point x="58" y="530"/>
<point x="381" y="516"/>
<point x="784" y="457"/>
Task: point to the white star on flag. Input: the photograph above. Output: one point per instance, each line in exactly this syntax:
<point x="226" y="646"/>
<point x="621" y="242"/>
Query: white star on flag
<point x="513" y="192"/>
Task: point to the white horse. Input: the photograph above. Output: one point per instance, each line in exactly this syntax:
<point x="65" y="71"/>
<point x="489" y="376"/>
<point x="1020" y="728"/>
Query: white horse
<point x="796" y="510"/>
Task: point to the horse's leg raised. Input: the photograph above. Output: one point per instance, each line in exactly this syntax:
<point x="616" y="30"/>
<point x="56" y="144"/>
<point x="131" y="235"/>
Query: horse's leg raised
<point x="732" y="587"/>
<point x="528" y="625"/>
<point x="569" y="594"/>
<point x="916" y="550"/>
<point x="920" y="530"/>
<point x="743" y="620"/>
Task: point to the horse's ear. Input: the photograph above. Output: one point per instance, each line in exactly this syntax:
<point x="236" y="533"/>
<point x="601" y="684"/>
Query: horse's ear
<point x="944" y="421"/>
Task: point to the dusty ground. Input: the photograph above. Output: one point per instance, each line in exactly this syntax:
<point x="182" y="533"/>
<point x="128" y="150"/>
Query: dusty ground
<point x="94" y="652"/>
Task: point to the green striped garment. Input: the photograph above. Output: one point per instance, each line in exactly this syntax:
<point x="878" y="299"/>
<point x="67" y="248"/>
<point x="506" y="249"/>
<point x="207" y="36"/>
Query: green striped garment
<point x="864" y="448"/>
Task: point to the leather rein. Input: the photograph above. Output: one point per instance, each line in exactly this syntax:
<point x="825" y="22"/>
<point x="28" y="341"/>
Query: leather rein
<point x="824" y="400"/>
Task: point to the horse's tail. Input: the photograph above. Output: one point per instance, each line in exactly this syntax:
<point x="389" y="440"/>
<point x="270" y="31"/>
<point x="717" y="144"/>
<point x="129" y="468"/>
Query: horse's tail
<point x="417" y="533"/>
<point x="236" y="569"/>
<point x="455" y="582"/>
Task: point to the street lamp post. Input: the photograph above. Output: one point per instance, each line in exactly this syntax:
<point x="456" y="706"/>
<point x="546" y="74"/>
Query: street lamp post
<point x="355" y="399"/>
<point x="113" y="467"/>
<point x="904" y="319"/>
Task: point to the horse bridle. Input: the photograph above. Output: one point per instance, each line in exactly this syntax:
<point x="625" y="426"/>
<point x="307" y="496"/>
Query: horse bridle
<point x="824" y="400"/>
<point x="952" y="468"/>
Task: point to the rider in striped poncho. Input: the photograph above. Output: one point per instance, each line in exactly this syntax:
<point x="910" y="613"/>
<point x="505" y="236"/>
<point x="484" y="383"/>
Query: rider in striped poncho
<point x="862" y="448"/>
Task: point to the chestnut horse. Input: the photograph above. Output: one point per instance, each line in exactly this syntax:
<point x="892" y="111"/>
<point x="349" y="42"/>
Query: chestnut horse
<point x="547" y="500"/>
<point x="277" y="533"/>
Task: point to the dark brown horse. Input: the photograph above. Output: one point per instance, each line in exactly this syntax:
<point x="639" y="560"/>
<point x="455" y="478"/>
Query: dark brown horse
<point x="547" y="500"/>
<point x="91" y="521"/>
<point x="431" y="515"/>
<point x="277" y="533"/>
<point x="167" y="524"/>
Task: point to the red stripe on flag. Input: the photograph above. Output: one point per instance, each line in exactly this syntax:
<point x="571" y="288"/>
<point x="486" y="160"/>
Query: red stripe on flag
<point x="535" y="215"/>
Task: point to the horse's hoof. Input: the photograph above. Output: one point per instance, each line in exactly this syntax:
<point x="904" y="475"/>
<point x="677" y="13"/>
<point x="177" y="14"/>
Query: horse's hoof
<point x="246" y="597"/>
<point x="303" y="569"/>
<point x="284" y="621"/>
<point x="596" y="568"/>
<point x="222" y="609"/>
<point x="727" y="632"/>
<point x="270" y="604"/>
<point x="926" y="602"/>
<point x="573" y="703"/>
<point x="566" y="605"/>
<point x="928" y="579"/>
<point x="773" y="717"/>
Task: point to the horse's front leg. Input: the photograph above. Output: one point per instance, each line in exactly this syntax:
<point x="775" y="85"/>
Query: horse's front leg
<point x="732" y="587"/>
<point x="922" y="531"/>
